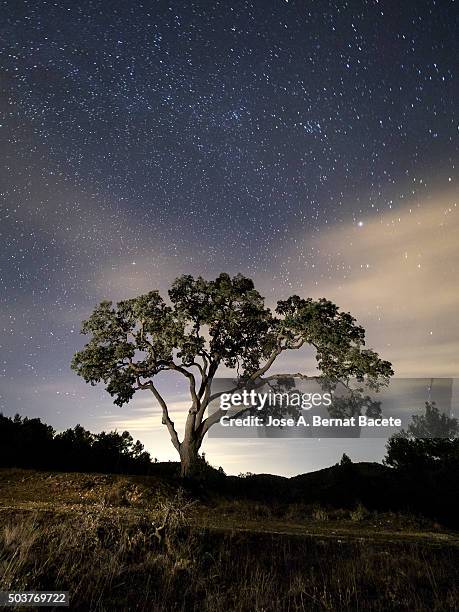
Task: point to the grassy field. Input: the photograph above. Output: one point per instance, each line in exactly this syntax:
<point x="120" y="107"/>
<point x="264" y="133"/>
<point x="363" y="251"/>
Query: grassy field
<point x="140" y="543"/>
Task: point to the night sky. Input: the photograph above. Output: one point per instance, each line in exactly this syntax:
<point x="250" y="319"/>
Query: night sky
<point x="310" y="145"/>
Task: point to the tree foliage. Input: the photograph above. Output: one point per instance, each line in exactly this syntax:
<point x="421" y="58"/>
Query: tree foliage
<point x="430" y="441"/>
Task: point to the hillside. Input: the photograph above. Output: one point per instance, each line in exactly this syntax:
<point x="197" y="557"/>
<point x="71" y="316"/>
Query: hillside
<point x="143" y="542"/>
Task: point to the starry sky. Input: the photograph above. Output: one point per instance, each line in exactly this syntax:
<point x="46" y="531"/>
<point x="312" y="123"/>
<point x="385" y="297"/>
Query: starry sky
<point x="312" y="146"/>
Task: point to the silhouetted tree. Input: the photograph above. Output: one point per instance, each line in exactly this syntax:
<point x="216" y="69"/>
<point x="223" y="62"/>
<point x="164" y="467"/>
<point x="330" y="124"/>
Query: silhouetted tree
<point x="26" y="440"/>
<point x="345" y="460"/>
<point x="208" y="324"/>
<point x="30" y="443"/>
<point x="74" y="449"/>
<point x="429" y="441"/>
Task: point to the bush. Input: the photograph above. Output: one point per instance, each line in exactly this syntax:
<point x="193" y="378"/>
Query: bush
<point x="319" y="514"/>
<point x="359" y="514"/>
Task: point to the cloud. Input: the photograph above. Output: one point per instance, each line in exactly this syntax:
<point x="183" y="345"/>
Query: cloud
<point x="145" y="414"/>
<point x="397" y="273"/>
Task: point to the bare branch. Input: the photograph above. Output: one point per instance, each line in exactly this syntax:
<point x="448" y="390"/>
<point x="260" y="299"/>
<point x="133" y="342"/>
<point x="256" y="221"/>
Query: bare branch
<point x="204" y="392"/>
<point x="275" y="354"/>
<point x="200" y="368"/>
<point x="166" y="420"/>
<point x="192" y="380"/>
<point x="204" y="426"/>
<point x="215" y="417"/>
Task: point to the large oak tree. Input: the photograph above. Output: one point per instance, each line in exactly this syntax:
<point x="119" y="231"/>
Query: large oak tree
<point x="208" y="324"/>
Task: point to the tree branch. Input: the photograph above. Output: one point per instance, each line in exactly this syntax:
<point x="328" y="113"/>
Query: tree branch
<point x="192" y="380"/>
<point x="204" y="392"/>
<point x="204" y="426"/>
<point x="166" y="420"/>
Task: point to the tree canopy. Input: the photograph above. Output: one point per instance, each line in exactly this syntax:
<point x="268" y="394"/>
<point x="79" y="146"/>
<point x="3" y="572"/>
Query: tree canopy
<point x="207" y="324"/>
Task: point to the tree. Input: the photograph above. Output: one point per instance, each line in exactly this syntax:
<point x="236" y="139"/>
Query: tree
<point x="345" y="461"/>
<point x="429" y="441"/>
<point x="32" y="444"/>
<point x="25" y="441"/>
<point x="208" y="324"/>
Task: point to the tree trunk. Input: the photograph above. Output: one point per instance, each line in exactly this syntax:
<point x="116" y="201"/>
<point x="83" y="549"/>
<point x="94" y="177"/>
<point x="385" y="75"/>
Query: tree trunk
<point x="189" y="458"/>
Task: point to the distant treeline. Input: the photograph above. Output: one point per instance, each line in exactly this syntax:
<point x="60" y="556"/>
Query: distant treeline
<point x="29" y="443"/>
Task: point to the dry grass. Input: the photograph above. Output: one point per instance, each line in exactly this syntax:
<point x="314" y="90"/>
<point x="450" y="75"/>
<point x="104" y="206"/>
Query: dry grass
<point x="123" y="543"/>
<point x="109" y="562"/>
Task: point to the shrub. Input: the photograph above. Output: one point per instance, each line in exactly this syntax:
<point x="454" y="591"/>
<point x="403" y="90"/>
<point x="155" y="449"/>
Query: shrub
<point x="320" y="514"/>
<point x="358" y="514"/>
